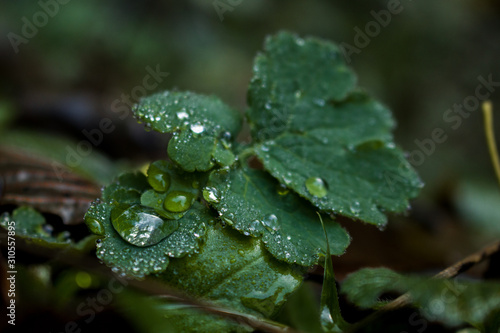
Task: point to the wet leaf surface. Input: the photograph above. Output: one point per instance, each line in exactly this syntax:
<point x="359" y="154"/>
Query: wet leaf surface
<point x="243" y="276"/>
<point x="253" y="202"/>
<point x="320" y="137"/>
<point x="203" y="127"/>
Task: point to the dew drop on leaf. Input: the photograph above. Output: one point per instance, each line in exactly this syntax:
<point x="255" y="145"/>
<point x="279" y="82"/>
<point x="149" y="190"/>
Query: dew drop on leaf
<point x="197" y="128"/>
<point x="158" y="179"/>
<point x="182" y="115"/>
<point x="316" y="186"/>
<point x="282" y="189"/>
<point x="355" y="208"/>
<point x="178" y="201"/>
<point x="271" y="222"/>
<point x="141" y="226"/>
<point x="210" y="195"/>
<point x="95" y="226"/>
<point x="254" y="225"/>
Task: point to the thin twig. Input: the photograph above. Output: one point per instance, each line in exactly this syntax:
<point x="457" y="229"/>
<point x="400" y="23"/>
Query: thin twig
<point x="490" y="137"/>
<point x="151" y="287"/>
<point x="448" y="273"/>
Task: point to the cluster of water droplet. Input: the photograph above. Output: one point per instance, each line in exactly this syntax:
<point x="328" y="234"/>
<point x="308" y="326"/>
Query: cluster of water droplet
<point x="155" y="218"/>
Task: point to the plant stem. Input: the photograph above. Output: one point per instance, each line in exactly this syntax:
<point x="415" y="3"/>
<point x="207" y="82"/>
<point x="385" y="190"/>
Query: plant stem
<point x="490" y="137"/>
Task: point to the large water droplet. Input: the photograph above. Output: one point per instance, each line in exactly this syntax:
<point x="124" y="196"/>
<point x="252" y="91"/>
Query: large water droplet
<point x="140" y="226"/>
<point x="158" y="179"/>
<point x="271" y="222"/>
<point x="178" y="201"/>
<point x="316" y="186"/>
<point x="95" y="226"/>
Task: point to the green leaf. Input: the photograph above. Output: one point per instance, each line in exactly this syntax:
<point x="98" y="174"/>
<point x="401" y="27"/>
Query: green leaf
<point x="452" y="302"/>
<point x="331" y="318"/>
<point x="127" y="188"/>
<point x="173" y="201"/>
<point x="202" y="125"/>
<point x="291" y="73"/>
<point x="236" y="272"/>
<point x="364" y="287"/>
<point x="123" y="257"/>
<point x="316" y="134"/>
<point x="29" y="224"/>
<point x="253" y="203"/>
<point x="141" y="227"/>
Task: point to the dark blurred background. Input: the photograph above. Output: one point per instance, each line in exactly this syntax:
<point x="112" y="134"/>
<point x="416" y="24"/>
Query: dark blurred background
<point x="66" y="77"/>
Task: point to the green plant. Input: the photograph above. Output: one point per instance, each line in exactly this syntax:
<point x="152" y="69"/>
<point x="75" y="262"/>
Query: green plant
<point x="235" y="223"/>
<point x="222" y="234"/>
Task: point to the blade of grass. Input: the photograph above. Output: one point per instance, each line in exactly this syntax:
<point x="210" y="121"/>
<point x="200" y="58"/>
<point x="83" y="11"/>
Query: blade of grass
<point x="331" y="318"/>
<point x="490" y="137"/>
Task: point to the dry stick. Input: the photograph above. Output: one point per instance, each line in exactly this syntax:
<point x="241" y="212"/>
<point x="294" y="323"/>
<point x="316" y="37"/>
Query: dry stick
<point x="151" y="287"/>
<point x="448" y="273"/>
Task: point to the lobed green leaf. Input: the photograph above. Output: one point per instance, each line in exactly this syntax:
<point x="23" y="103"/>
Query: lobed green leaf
<point x="203" y="127"/>
<point x="320" y="137"/>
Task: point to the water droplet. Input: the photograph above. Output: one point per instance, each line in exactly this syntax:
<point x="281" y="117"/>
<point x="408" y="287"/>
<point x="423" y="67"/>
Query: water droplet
<point x="316" y="186"/>
<point x="48" y="228"/>
<point x="299" y="41"/>
<point x="319" y="101"/>
<point x="178" y="201"/>
<point x="282" y="189"/>
<point x="140" y="226"/>
<point x="355" y="208"/>
<point x="390" y="145"/>
<point x="158" y="179"/>
<point x="182" y="115"/>
<point x="197" y="128"/>
<point x="254" y="225"/>
<point x="210" y="194"/>
<point x="226" y="138"/>
<point x="271" y="222"/>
